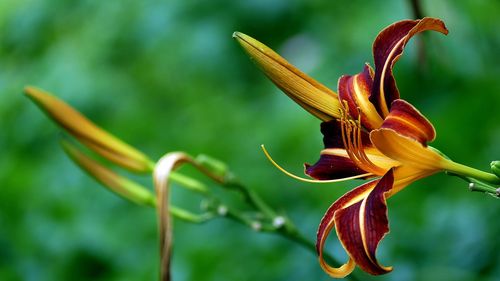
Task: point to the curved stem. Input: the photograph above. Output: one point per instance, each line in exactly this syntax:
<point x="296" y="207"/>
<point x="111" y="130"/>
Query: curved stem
<point x="250" y="197"/>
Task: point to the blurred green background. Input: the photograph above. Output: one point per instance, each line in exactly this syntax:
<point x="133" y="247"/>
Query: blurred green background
<point x="166" y="76"/>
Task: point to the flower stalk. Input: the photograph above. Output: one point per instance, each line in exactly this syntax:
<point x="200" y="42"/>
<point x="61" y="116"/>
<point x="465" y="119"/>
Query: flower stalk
<point x="261" y="217"/>
<point x="468" y="172"/>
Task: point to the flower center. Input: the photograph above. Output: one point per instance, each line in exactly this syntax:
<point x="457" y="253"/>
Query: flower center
<point x="353" y="142"/>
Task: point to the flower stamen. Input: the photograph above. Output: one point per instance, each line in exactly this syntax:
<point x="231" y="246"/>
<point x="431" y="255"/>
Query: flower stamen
<point x="353" y="142"/>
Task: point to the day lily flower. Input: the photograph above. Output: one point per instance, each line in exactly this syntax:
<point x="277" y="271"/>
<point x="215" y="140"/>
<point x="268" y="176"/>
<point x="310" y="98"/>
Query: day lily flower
<point x="369" y="133"/>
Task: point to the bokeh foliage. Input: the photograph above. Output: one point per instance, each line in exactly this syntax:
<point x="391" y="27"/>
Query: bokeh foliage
<point x="166" y="75"/>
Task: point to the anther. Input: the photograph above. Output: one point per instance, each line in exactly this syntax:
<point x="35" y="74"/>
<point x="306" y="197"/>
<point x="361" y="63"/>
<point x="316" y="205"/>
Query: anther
<point x="310" y="180"/>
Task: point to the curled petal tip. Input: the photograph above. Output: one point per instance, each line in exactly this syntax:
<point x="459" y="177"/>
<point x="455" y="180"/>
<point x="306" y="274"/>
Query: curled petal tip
<point x="360" y="220"/>
<point x="438" y="24"/>
<point x="387" y="49"/>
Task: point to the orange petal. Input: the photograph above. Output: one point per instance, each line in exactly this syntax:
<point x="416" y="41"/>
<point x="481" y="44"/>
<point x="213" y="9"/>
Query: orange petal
<point x="97" y="139"/>
<point x="387" y="49"/>
<point x="405" y="175"/>
<point x="307" y="92"/>
<point x="407" y="150"/>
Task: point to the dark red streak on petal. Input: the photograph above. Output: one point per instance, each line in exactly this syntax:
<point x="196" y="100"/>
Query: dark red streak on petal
<point x="330" y="167"/>
<point x="387" y="49"/>
<point x="327" y="219"/>
<point x="351" y="88"/>
<point x="373" y="215"/>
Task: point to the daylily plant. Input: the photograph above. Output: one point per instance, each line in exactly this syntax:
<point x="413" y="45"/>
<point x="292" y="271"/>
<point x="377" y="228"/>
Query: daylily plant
<point x="369" y="133"/>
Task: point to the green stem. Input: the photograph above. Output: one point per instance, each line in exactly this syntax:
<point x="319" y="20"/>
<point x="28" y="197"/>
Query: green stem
<point x="478" y="186"/>
<point x="250" y="196"/>
<point x="187" y="182"/>
<point x="188" y="216"/>
<point x="288" y="231"/>
<point x="466" y="171"/>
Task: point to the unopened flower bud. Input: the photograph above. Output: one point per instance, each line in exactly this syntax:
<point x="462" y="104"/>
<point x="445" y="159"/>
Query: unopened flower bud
<point x="89" y="134"/>
<point x="495" y="168"/>
<point x="213" y="165"/>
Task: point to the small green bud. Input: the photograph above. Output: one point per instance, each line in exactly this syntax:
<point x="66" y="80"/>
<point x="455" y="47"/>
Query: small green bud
<point x="495" y="168"/>
<point x="213" y="165"/>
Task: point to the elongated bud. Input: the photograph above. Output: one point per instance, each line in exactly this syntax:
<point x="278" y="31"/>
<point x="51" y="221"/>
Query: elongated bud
<point x="495" y="168"/>
<point x="114" y="182"/>
<point x="89" y="134"/>
<point x="307" y="92"/>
